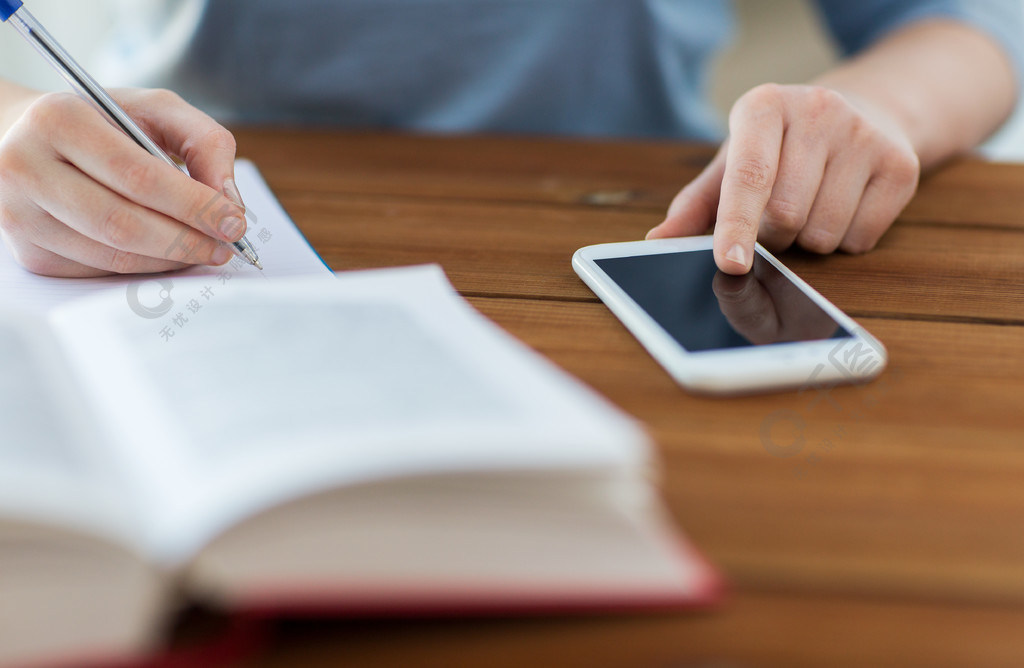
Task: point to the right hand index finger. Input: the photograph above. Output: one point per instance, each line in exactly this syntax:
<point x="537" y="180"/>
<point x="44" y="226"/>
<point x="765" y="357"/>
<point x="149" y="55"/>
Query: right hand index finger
<point x="751" y="167"/>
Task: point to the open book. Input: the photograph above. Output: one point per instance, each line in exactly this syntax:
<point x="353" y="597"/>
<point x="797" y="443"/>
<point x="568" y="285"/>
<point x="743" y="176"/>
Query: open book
<point x="362" y="444"/>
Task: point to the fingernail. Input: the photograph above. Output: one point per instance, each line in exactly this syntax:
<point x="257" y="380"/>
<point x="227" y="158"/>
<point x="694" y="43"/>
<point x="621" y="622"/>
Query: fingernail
<point x="653" y="230"/>
<point x="231" y="192"/>
<point x="737" y="254"/>
<point x="220" y="256"/>
<point x="232" y="228"/>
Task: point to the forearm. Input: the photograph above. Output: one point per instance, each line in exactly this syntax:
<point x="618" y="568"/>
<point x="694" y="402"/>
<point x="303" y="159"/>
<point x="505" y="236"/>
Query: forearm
<point x="946" y="85"/>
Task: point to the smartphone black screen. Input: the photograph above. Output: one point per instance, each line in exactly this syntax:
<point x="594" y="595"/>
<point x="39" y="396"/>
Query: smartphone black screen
<point x="706" y="309"/>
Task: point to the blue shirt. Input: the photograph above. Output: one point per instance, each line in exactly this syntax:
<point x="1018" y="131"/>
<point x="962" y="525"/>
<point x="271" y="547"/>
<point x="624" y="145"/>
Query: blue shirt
<point x="573" y="67"/>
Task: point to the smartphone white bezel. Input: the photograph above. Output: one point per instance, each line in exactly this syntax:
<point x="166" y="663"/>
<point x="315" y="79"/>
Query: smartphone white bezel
<point x="732" y="370"/>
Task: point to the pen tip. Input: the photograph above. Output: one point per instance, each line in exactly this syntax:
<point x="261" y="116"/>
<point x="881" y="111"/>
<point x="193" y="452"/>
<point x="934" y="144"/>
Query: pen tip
<point x="258" y="265"/>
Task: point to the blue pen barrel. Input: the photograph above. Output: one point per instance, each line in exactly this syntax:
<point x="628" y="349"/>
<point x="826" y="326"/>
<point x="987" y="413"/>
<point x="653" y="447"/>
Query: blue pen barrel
<point x="8" y="7"/>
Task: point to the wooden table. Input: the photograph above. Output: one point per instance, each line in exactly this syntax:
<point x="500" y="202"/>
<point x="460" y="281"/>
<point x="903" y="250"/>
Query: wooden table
<point x="893" y="537"/>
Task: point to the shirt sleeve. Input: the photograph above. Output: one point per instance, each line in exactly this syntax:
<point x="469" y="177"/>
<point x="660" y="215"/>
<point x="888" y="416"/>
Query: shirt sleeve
<point x="856" y="24"/>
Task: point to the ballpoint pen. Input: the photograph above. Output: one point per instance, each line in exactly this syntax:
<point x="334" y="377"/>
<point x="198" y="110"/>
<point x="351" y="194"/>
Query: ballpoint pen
<point x="14" y="13"/>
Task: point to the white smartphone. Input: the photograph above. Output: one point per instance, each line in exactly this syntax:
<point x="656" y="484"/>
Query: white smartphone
<point x="717" y="333"/>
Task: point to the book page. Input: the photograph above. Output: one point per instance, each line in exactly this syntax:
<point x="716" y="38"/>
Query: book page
<point x="51" y="470"/>
<point x="41" y="452"/>
<point x="282" y="249"/>
<point x="35" y="435"/>
<point x="283" y="388"/>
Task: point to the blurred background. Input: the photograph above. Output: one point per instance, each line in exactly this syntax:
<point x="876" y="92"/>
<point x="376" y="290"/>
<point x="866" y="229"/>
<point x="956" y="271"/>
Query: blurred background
<point x="776" y="40"/>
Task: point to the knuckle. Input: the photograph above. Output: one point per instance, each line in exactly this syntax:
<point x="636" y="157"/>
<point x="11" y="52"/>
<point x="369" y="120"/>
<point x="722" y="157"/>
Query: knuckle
<point x="203" y="214"/>
<point x="766" y="93"/>
<point x="754" y="174"/>
<point x="118" y="228"/>
<point x="55" y="113"/>
<point x="867" y="232"/>
<point x="135" y="176"/>
<point x="14" y="229"/>
<point x="767" y="96"/>
<point x="122" y="262"/>
<point x="219" y="139"/>
<point x="35" y="264"/>
<point x="34" y="260"/>
<point x="11" y="163"/>
<point x="741" y="226"/>
<point x="784" y="215"/>
<point x="188" y="247"/>
<point x="864" y="236"/>
<point x="163" y="97"/>
<point x="859" y="243"/>
<point x="825" y="99"/>
<point x="821" y="241"/>
<point x="24" y="169"/>
<point x="215" y="139"/>
<point x="20" y="224"/>
<point x="209" y="136"/>
<point x="824" y="105"/>
<point x="10" y="222"/>
<point x="47" y="110"/>
<point x="10" y="190"/>
<point x="861" y="134"/>
<point x="903" y="167"/>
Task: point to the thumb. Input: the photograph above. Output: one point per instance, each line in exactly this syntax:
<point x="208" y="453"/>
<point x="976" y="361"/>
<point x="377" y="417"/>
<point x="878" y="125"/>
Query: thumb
<point x="694" y="209"/>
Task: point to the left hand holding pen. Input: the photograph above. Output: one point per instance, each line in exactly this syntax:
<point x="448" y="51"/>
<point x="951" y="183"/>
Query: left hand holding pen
<point x="803" y="165"/>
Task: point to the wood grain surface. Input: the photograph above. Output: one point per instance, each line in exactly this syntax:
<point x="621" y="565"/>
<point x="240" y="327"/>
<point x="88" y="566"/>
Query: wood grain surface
<point x="891" y="535"/>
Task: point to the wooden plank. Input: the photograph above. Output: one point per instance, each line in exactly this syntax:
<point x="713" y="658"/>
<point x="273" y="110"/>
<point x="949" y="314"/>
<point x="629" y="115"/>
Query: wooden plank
<point x="752" y="629"/>
<point x="971" y="193"/>
<point x="926" y="271"/>
<point x="522" y="249"/>
<point x="636" y="175"/>
<point x="942" y="377"/>
<point x="918" y="495"/>
<point x="621" y="174"/>
<point x="486" y="248"/>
